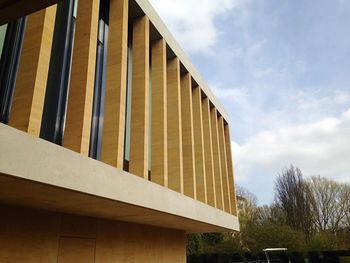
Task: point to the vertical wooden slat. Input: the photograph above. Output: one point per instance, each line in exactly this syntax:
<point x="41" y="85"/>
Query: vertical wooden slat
<point x="224" y="174"/>
<point x="217" y="159"/>
<point x="230" y="170"/>
<point x="187" y="136"/>
<point x="28" y="101"/>
<point x="208" y="152"/>
<point x="175" y="162"/>
<point x="199" y="145"/>
<point x="80" y="99"/>
<point x="139" y="133"/>
<point x="159" y="154"/>
<point x="115" y="98"/>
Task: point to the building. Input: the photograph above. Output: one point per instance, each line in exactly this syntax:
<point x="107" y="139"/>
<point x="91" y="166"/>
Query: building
<point x="112" y="147"/>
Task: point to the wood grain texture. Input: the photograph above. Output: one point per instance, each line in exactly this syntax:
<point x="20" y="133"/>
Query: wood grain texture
<point x="81" y="90"/>
<point x="27" y="235"/>
<point x="37" y="236"/>
<point x="208" y="152"/>
<point x="201" y="184"/>
<point x="130" y="243"/>
<point x="159" y="141"/>
<point x="139" y="134"/>
<point x="112" y="151"/>
<point x="175" y="161"/>
<point x="224" y="173"/>
<point x="217" y="159"/>
<point x="187" y="137"/>
<point x="230" y="170"/>
<point x="76" y="250"/>
<point x="29" y="96"/>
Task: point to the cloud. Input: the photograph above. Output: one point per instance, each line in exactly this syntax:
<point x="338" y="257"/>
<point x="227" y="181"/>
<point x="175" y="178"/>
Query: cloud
<point x="317" y="148"/>
<point x="193" y="22"/>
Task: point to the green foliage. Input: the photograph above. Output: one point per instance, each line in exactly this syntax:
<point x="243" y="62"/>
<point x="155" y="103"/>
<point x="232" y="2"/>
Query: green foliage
<point x="323" y="241"/>
<point x="269" y="235"/>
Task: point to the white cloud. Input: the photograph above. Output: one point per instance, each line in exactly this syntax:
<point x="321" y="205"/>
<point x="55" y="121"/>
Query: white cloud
<point x="321" y="147"/>
<point x="193" y="22"/>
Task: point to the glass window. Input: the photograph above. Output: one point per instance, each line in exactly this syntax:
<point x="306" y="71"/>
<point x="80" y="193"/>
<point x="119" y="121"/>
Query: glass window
<point x="100" y="83"/>
<point x="128" y="105"/>
<point x="2" y="37"/>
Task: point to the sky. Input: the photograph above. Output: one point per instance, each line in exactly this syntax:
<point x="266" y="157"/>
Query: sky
<point x="281" y="69"/>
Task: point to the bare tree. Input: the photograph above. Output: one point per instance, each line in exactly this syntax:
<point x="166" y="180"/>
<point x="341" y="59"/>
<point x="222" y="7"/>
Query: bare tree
<point x="331" y="203"/>
<point x="294" y="197"/>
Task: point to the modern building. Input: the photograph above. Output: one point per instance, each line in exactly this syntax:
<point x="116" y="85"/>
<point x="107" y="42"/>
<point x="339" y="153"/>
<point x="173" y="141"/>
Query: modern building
<point x="112" y="147"/>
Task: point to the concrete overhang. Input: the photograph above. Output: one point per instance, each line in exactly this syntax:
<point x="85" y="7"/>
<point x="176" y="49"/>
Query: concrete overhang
<point x="36" y="173"/>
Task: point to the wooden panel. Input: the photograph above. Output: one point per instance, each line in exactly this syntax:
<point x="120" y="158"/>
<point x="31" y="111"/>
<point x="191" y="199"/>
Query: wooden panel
<point x="230" y="170"/>
<point x="76" y="250"/>
<point x="80" y="99"/>
<point x="201" y="184"/>
<point x="187" y="137"/>
<point x="159" y="151"/>
<point x="29" y="236"/>
<point x="115" y="98"/>
<point x="208" y="152"/>
<point x="139" y="134"/>
<point x="175" y="162"/>
<point x="223" y="159"/>
<point x="217" y="159"/>
<point x="130" y="243"/>
<point x="28" y="101"/>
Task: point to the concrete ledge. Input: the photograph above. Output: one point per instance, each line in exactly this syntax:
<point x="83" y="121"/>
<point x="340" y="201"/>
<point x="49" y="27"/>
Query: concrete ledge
<point x="37" y="173"/>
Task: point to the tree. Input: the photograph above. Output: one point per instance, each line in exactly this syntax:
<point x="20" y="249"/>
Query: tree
<point x="331" y="204"/>
<point x="294" y="197"/>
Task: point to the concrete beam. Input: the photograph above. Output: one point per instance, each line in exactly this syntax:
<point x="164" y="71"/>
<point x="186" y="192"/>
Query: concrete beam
<point x="57" y="179"/>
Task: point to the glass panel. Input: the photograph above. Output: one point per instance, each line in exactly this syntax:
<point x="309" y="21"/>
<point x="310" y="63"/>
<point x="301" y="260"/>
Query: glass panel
<point x="2" y="37"/>
<point x="128" y="105"/>
<point x="75" y="10"/>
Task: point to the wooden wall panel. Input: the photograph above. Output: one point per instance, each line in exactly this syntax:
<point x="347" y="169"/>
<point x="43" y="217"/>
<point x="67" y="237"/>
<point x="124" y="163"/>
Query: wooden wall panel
<point x="130" y="243"/>
<point x="224" y="173"/>
<point x="230" y="170"/>
<point x="208" y="152"/>
<point x="217" y="159"/>
<point x="199" y="145"/>
<point x="139" y="134"/>
<point x="29" y="236"/>
<point x="159" y="149"/>
<point x="28" y="101"/>
<point x="115" y="98"/>
<point x="76" y="250"/>
<point x="187" y="137"/>
<point x="36" y="236"/>
<point x="81" y="90"/>
<point x="175" y="162"/>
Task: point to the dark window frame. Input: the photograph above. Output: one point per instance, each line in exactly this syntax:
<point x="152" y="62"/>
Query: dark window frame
<point x="9" y="63"/>
<point x="100" y="82"/>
